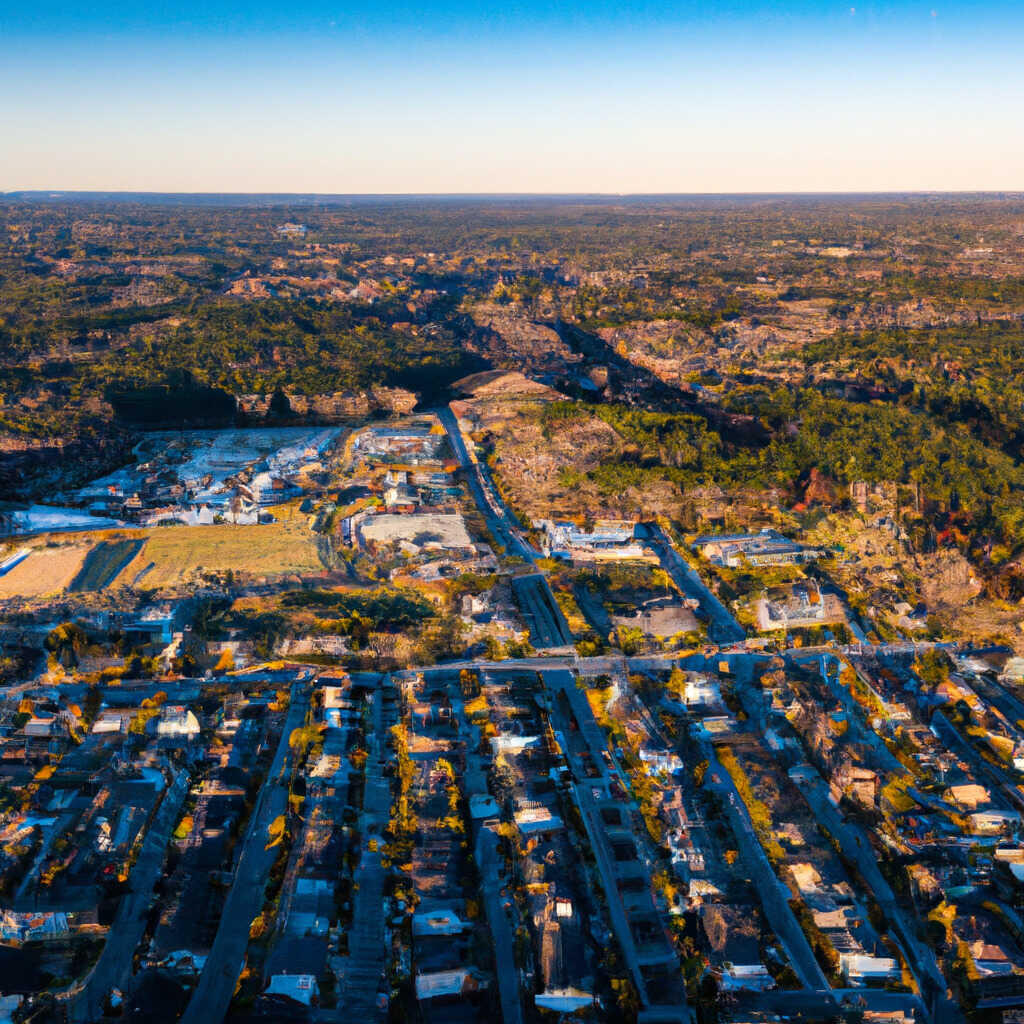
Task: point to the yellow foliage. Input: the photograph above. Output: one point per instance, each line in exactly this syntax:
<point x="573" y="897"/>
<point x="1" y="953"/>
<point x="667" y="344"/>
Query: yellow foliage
<point x="226" y="661"/>
<point x="476" y="705"/>
<point x="276" y="830"/>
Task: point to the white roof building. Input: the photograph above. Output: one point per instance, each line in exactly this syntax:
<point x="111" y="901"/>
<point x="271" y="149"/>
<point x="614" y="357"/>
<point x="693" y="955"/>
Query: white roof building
<point x="301" y="988"/>
<point x="859" y="968"/>
<point x="176" y="720"/>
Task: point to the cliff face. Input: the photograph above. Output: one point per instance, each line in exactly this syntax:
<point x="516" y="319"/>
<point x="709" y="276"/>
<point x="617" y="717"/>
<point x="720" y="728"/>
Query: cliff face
<point x="337" y="406"/>
<point x="32" y="469"/>
<point x="512" y="340"/>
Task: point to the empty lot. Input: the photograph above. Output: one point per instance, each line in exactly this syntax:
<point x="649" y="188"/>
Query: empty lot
<point x="447" y="530"/>
<point x="173" y="553"/>
<point x="45" y="571"/>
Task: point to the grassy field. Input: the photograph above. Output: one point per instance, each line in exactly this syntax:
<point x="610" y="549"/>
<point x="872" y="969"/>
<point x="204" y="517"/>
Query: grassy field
<point x="172" y="553"/>
<point x="105" y="563"/>
<point x="45" y="571"/>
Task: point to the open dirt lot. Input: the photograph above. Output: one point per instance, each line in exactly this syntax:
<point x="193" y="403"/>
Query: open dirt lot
<point x="45" y="571"/>
<point x="173" y="553"/>
<point x="447" y="530"/>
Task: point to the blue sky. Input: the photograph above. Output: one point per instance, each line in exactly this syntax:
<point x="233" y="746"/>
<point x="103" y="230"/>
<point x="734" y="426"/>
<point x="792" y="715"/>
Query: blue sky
<point x="452" y="96"/>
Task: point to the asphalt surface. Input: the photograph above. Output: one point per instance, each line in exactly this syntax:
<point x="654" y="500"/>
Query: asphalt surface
<point x="491" y="883"/>
<point x="212" y="996"/>
<point x="597" y="833"/>
<point x="499" y="520"/>
<point x="114" y="967"/>
<point x="982" y="769"/>
<point x="544" y="618"/>
<point x="502" y="932"/>
<point x="919" y="957"/>
<point x="776" y="905"/>
<point x="855" y="844"/>
<point x="366" y="957"/>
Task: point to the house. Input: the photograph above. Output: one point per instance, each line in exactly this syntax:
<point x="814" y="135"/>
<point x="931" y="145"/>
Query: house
<point x="806" y="877"/>
<point x="483" y="806"/>
<point x="862" y="785"/>
<point x="661" y="761"/>
<point x="746" y="978"/>
<point x="272" y="490"/>
<point x="113" y="720"/>
<point x="32" y="927"/>
<point x="859" y="968"/>
<point x="609" y="539"/>
<point x="401" y="498"/>
<point x="768" y="547"/>
<point x="438" y="922"/>
<point x="445" y="984"/>
<point x="696" y="690"/>
<point x="968" y="797"/>
<point x="177" y="722"/>
<point x="992" y="822"/>
<point x="299" y="988"/>
<point x="563" y="1000"/>
<point x="45" y="724"/>
<point x="990" y="959"/>
<point x="537" y="821"/>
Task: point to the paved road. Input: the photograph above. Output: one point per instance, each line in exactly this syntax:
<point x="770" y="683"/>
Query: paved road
<point x="212" y="996"/>
<point x="775" y="902"/>
<point x="830" y="668"/>
<point x="919" y="957"/>
<point x="502" y="932"/>
<point x="597" y="833"/>
<point x="114" y="967"/>
<point x="609" y="664"/>
<point x="816" y="1007"/>
<point x="548" y="628"/>
<point x="983" y="770"/>
<point x="491" y="883"/>
<point x="855" y="844"/>
<point x="500" y="520"/>
<point x="366" y="953"/>
<point x="722" y="626"/>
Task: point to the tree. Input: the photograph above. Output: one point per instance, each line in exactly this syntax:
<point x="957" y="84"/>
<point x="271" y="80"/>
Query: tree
<point x="66" y="642"/>
<point x="280" y="406"/>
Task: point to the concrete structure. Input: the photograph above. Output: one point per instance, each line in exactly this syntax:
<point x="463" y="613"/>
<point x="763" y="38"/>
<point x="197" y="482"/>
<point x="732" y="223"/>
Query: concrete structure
<point x="768" y="547"/>
<point x="610" y="539"/>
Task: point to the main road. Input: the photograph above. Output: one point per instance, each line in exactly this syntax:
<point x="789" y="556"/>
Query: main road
<point x="773" y="899"/>
<point x="499" y="518"/>
<point x="114" y="967"/>
<point x="548" y="628"/>
<point x="212" y="996"/>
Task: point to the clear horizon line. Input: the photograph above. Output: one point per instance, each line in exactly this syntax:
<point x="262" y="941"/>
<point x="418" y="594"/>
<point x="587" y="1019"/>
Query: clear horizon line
<point x="71" y="192"/>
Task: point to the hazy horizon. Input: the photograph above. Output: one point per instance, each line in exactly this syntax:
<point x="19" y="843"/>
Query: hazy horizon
<point x="734" y="96"/>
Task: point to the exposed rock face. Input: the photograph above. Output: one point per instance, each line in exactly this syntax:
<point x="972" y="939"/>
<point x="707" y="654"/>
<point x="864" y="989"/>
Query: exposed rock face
<point x="821" y="490"/>
<point x="395" y="399"/>
<point x="338" y="406"/>
<point x="947" y="578"/>
<point x="504" y="384"/>
<point x="40" y="468"/>
<point x="511" y="339"/>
